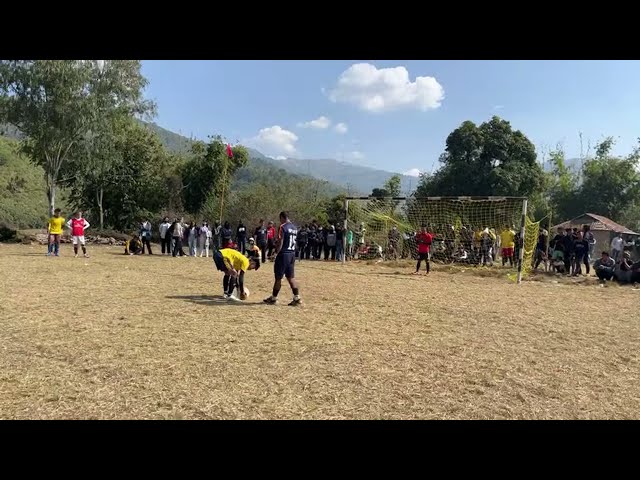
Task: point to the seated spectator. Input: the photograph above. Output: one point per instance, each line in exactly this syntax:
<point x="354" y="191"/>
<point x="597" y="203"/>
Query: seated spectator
<point x="133" y="246"/>
<point x="461" y="255"/>
<point x="623" y="270"/>
<point x="604" y="267"/>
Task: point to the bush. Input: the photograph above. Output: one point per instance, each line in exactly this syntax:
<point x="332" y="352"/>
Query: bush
<point x="7" y="233"/>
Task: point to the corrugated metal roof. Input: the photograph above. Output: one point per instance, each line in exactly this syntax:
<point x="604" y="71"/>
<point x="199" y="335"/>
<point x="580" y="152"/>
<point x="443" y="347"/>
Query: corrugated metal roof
<point x="599" y="223"/>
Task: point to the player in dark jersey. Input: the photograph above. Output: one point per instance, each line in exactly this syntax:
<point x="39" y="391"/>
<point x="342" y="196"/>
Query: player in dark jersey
<point x="285" y="260"/>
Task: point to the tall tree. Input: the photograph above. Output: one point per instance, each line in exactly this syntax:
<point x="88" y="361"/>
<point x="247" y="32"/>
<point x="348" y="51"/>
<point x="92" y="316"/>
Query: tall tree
<point x="492" y="159"/>
<point x="610" y="184"/>
<point x="56" y="103"/>
<point x="209" y="172"/>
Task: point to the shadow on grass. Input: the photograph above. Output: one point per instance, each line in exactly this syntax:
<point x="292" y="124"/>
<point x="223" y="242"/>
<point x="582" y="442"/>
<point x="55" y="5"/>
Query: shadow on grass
<point x="213" y="300"/>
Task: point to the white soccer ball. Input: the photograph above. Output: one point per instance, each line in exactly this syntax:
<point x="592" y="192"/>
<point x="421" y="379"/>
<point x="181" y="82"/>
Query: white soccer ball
<point x="245" y="294"/>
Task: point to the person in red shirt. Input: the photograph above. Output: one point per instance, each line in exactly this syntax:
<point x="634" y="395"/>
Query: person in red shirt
<point x="78" y="225"/>
<point x="271" y="240"/>
<point x="424" y="240"/>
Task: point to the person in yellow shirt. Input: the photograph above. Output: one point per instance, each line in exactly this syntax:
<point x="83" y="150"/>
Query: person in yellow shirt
<point x="234" y="264"/>
<point x="508" y="244"/>
<point x="55" y="227"/>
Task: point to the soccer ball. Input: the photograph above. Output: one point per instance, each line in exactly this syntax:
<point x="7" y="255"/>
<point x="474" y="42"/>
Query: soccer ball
<point x="245" y="295"/>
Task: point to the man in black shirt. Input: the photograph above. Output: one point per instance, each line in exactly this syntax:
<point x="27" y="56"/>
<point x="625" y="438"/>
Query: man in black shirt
<point x="260" y="234"/>
<point x="302" y="239"/>
<point x="241" y="238"/>
<point x="580" y="249"/>
<point x="567" y="242"/>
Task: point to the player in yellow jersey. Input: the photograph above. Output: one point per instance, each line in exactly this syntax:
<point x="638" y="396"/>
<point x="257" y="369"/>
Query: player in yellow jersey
<point x="233" y="264"/>
<point x="508" y="244"/>
<point x="55" y="227"/>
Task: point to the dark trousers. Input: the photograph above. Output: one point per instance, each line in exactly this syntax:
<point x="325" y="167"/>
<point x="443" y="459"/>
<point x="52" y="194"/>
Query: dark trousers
<point x="242" y="245"/>
<point x="263" y="250"/>
<point x="329" y="252"/>
<point x="271" y="247"/>
<point x="165" y="245"/>
<point x="604" y="274"/>
<point x="317" y="250"/>
<point x="146" y="243"/>
<point x="300" y="250"/>
<point x="577" y="264"/>
<point x="307" y="251"/>
<point x="177" y="247"/>
<point x="568" y="259"/>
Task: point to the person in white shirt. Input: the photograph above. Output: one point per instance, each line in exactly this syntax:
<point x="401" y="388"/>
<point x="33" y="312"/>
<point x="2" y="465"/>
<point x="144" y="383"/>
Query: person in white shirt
<point x="617" y="246"/>
<point x="205" y="239"/>
<point x="165" y="240"/>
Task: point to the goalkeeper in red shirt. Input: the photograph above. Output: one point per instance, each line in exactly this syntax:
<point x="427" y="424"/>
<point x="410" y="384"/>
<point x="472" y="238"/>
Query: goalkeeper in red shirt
<point x="423" y="239"/>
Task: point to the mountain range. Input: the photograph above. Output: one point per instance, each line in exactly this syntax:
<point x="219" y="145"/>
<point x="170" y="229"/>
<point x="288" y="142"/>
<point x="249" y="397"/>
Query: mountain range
<point x="353" y="179"/>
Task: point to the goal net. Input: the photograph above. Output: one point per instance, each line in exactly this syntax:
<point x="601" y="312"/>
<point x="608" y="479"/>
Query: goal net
<point x="466" y="230"/>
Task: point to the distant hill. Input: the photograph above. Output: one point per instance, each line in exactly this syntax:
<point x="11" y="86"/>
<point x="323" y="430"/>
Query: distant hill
<point x="572" y="163"/>
<point x="356" y="178"/>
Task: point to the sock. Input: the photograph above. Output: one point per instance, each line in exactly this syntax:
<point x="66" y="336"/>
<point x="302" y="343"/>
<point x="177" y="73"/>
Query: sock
<point x="418" y="265"/>
<point x="296" y="293"/>
<point x="75" y="249"/>
<point x="84" y="249"/>
<point x="50" y="248"/>
<point x="232" y="285"/>
<point x="225" y="283"/>
<point x="428" y="266"/>
<point x="275" y="292"/>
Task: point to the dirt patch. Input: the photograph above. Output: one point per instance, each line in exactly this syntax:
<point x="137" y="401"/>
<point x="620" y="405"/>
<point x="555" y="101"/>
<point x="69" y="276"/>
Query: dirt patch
<point x="123" y="337"/>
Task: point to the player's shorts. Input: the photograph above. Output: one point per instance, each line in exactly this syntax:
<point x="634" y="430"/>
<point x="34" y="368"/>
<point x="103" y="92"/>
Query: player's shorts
<point x="423" y="256"/>
<point x="77" y="239"/>
<point x="507" y="252"/>
<point x="284" y="265"/>
<point x="219" y="261"/>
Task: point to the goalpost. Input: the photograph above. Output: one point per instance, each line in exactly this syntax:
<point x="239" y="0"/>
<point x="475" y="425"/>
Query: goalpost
<point x="465" y="229"/>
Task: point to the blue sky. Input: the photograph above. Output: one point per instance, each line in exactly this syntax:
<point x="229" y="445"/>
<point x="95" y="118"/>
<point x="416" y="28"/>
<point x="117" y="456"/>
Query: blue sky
<point x="391" y="119"/>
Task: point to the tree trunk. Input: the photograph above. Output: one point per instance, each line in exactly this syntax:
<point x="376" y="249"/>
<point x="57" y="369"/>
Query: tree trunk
<point x="100" y="195"/>
<point x="51" y="195"/>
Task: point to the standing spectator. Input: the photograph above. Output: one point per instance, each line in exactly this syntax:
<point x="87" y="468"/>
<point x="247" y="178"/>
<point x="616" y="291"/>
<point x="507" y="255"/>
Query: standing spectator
<point x="204" y="239"/>
<point x="226" y="234"/>
<point x="320" y="242"/>
<point x="310" y="251"/>
<point x="271" y="240"/>
<point x="591" y="240"/>
<point x="260" y="235"/>
<point x="301" y="241"/>
<point x="216" y="236"/>
<point x="486" y="244"/>
<point x="194" y="233"/>
<point x="604" y="267"/>
<point x="177" y="231"/>
<point x="394" y="242"/>
<point x="165" y="237"/>
<point x="339" y="243"/>
<point x="145" y="236"/>
<point x="349" y="251"/>
<point x="617" y="247"/>
<point x="580" y="249"/>
<point x="567" y="242"/>
<point x="424" y="240"/>
<point x="330" y="246"/>
<point x="541" y="250"/>
<point x="241" y="238"/>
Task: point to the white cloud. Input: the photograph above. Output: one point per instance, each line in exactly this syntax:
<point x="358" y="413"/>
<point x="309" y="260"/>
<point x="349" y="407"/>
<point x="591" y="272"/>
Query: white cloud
<point x="341" y="128"/>
<point x="319" y="123"/>
<point x="275" y="140"/>
<point x="355" y="155"/>
<point x="413" y="172"/>
<point x="379" y="90"/>
<point x="277" y="157"/>
<point x="498" y="107"/>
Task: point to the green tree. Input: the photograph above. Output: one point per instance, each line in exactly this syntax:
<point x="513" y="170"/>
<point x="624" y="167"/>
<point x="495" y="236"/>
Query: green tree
<point x="210" y="172"/>
<point x="492" y="159"/>
<point x="610" y="185"/>
<point x="56" y="103"/>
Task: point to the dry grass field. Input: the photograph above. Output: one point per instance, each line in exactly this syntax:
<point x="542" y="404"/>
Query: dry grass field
<point x="119" y="337"/>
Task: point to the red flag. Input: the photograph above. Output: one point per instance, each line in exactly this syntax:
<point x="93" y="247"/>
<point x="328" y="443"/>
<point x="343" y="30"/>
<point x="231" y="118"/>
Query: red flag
<point x="229" y="151"/>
